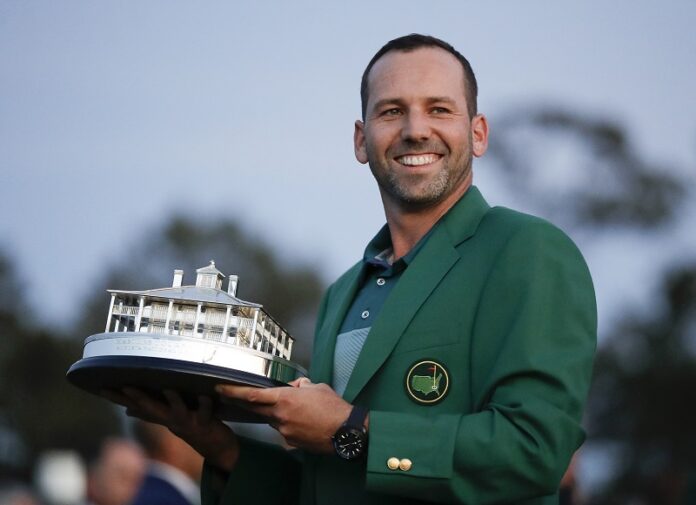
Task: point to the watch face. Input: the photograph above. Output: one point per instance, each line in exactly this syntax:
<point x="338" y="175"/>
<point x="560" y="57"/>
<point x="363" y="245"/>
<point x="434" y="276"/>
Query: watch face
<point x="349" y="443"/>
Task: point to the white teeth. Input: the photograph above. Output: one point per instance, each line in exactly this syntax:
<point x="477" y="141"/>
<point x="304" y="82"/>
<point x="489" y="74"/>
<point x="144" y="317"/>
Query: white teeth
<point x="417" y="160"/>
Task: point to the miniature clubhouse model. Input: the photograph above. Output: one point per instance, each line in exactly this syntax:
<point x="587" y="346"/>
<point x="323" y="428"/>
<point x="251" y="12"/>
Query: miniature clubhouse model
<point x="188" y="339"/>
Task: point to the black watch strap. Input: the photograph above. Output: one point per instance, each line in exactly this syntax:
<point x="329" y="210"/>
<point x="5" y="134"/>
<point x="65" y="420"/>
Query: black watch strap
<point x="357" y="416"/>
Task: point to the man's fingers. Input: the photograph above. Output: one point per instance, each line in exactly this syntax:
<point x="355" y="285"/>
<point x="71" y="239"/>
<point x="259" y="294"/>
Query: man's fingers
<point x="136" y="395"/>
<point x="204" y="414"/>
<point x="265" y="411"/>
<point x="177" y="404"/>
<point x="144" y="403"/>
<point x="258" y="396"/>
<point x="116" y="397"/>
<point x="302" y="381"/>
<point x="141" y="415"/>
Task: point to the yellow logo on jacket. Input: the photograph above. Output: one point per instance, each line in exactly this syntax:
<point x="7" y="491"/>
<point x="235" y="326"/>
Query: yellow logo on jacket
<point x="427" y="382"/>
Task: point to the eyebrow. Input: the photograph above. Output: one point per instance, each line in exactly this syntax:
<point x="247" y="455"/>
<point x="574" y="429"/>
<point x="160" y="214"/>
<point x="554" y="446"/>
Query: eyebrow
<point x="441" y="99"/>
<point x="398" y="101"/>
<point x="387" y="101"/>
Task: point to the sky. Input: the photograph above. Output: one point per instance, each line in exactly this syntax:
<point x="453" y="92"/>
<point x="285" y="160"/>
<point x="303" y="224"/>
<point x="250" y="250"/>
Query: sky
<point x="114" y="115"/>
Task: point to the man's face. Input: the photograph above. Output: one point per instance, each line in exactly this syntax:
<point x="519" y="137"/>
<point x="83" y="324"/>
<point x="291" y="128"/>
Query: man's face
<point x="118" y="474"/>
<point x="417" y="136"/>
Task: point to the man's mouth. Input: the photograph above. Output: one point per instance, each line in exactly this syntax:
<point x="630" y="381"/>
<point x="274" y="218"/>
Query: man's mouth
<point x="417" y="160"/>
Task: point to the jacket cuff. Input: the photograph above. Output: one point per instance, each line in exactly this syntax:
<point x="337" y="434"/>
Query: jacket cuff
<point x="405" y="449"/>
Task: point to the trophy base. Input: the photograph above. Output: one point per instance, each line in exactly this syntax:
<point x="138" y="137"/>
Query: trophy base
<point x="189" y="365"/>
<point x="153" y="375"/>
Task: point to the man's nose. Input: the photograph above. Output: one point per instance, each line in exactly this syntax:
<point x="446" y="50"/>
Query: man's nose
<point x="416" y="127"/>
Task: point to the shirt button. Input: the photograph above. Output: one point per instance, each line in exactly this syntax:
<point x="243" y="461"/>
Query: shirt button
<point x="381" y="281"/>
<point x="365" y="314"/>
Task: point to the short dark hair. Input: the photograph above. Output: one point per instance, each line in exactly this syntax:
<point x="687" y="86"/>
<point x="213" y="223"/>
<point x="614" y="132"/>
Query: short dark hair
<point x="414" y="41"/>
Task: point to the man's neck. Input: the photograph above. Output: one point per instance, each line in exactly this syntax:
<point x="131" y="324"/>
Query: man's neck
<point x="408" y="226"/>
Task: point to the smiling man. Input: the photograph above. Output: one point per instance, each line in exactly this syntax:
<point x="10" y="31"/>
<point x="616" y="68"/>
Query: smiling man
<point x="451" y="363"/>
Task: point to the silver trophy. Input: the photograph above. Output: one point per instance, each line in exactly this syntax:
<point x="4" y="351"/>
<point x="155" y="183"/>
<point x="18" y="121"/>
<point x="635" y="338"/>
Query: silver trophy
<point x="187" y="338"/>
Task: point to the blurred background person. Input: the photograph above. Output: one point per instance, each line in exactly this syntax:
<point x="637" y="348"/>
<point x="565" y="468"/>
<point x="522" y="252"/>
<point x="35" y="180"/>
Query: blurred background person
<point x="173" y="470"/>
<point x="115" y="476"/>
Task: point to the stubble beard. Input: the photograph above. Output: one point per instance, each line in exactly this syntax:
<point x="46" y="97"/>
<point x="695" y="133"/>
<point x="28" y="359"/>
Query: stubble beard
<point x="410" y="192"/>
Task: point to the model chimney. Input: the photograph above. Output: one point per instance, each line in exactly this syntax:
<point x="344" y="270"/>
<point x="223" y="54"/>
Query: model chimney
<point x="178" y="277"/>
<point x="232" y="286"/>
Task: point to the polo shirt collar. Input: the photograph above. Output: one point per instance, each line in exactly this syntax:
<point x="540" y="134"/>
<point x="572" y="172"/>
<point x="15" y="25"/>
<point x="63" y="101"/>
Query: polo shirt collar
<point x="380" y="247"/>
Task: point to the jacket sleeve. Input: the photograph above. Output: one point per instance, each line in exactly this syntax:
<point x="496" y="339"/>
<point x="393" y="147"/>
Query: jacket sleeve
<point x="532" y="344"/>
<point x="264" y="473"/>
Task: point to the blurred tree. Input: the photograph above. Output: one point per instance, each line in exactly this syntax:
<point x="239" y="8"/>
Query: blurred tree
<point x="37" y="406"/>
<point x="12" y="452"/>
<point x="583" y="171"/>
<point x="644" y="382"/>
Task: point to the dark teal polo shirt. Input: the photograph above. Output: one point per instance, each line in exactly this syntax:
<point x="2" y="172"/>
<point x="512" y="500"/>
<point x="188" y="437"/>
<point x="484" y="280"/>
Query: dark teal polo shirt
<point x="379" y="280"/>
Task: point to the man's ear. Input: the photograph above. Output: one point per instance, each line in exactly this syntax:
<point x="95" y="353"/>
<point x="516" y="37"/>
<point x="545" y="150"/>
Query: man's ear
<point x="479" y="135"/>
<point x="359" y="142"/>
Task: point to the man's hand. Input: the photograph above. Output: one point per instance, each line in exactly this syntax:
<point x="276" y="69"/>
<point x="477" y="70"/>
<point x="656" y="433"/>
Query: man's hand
<point x="214" y="440"/>
<point x="306" y="414"/>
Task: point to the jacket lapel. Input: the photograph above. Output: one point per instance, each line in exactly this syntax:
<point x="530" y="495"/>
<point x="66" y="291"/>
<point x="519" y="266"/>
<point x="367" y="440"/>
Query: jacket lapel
<point x="421" y="277"/>
<point x="321" y="369"/>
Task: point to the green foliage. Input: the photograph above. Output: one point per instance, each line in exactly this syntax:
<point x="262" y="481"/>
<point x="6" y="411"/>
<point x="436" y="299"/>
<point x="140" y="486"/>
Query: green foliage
<point x="644" y="381"/>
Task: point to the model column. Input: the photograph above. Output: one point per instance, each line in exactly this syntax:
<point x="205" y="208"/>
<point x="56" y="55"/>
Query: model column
<point x="169" y="317"/>
<point x="111" y="311"/>
<point x="140" y="313"/>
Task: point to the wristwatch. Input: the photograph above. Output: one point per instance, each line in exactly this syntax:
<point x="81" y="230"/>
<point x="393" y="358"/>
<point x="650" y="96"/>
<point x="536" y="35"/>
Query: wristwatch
<point x="350" y="440"/>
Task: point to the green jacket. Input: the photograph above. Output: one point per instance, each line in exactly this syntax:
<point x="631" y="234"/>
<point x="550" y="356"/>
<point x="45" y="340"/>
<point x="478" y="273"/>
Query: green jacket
<point x="504" y="302"/>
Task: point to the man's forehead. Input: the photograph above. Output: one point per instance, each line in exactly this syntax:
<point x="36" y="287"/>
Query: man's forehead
<point x="426" y="52"/>
<point x="433" y="65"/>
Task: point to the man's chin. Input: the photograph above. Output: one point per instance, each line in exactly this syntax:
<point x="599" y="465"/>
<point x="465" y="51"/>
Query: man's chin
<point x="415" y="200"/>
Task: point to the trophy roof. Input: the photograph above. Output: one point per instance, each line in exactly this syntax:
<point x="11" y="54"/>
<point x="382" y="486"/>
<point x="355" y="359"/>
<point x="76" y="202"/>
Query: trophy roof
<point x="191" y="294"/>
<point x="210" y="269"/>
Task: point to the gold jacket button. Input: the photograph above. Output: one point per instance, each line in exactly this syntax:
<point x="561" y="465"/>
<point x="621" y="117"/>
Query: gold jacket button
<point x="405" y="464"/>
<point x="393" y="463"/>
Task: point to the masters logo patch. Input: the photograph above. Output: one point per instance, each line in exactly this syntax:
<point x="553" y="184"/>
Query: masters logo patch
<point x="427" y="382"/>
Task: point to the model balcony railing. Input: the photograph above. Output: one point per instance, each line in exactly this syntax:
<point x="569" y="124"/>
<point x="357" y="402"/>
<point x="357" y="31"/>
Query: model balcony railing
<point x="159" y="313"/>
<point x="186" y="317"/>
<point x="125" y="310"/>
<point x="216" y="318"/>
<point x="242" y="327"/>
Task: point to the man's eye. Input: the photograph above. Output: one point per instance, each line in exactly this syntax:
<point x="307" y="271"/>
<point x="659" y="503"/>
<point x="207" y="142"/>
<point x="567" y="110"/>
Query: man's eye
<point x="440" y="110"/>
<point x="391" y="112"/>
